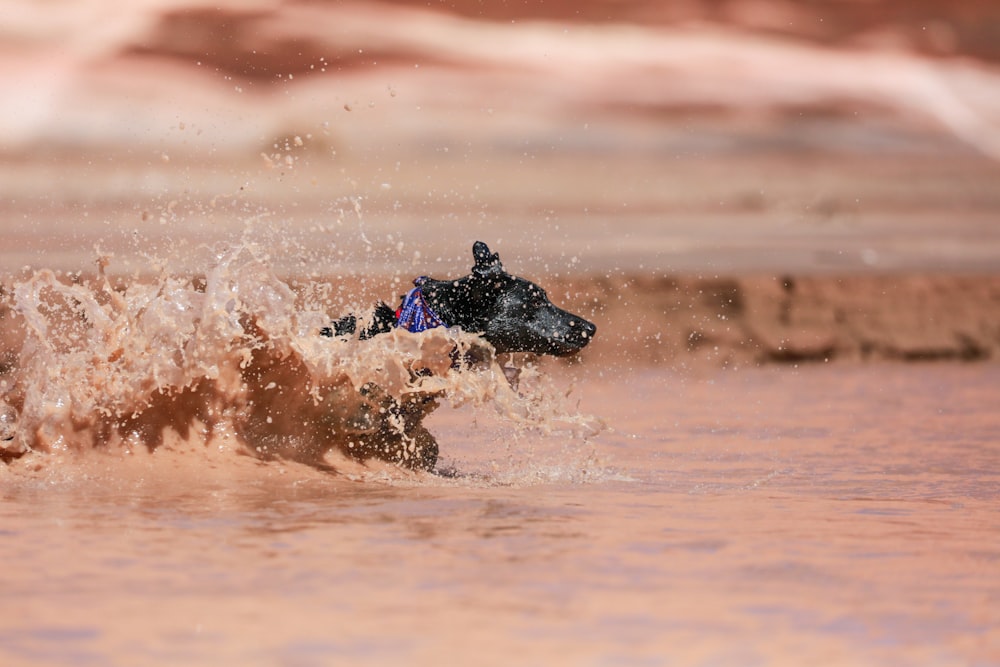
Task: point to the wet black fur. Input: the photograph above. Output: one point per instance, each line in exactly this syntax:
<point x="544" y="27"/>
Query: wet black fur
<point x="511" y="313"/>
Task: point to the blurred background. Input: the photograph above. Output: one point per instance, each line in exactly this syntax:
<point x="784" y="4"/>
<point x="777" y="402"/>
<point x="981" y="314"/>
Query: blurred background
<point x="717" y="136"/>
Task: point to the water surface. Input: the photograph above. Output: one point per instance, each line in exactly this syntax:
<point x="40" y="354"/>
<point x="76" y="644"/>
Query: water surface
<point x="816" y="515"/>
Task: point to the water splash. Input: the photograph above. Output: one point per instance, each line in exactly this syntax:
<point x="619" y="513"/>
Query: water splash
<point x="234" y="358"/>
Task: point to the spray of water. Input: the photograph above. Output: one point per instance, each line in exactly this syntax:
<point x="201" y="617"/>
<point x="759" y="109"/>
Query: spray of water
<point x="234" y="356"/>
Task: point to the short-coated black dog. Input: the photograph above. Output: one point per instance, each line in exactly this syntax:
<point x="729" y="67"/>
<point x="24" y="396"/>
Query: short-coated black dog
<point x="511" y="313"/>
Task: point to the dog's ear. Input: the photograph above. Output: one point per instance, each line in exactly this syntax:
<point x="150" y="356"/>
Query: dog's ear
<point x="486" y="261"/>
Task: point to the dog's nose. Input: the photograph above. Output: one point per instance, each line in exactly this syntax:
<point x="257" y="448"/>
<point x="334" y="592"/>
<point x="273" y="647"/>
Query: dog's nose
<point x="586" y="329"/>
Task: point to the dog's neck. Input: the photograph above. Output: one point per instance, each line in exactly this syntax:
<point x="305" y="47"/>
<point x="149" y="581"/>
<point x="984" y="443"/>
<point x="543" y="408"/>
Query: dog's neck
<point x="459" y="302"/>
<point x="432" y="303"/>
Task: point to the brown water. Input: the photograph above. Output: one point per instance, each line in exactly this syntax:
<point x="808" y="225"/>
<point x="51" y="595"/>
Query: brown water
<point x="191" y="499"/>
<point x="818" y="515"/>
<point x="826" y="514"/>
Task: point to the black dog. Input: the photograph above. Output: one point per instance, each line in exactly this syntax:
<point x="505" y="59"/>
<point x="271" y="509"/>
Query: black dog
<point x="511" y="313"/>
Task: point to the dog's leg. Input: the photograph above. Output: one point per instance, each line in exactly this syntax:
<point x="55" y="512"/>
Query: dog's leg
<point x="399" y="435"/>
<point x="345" y="326"/>
<point x="383" y="320"/>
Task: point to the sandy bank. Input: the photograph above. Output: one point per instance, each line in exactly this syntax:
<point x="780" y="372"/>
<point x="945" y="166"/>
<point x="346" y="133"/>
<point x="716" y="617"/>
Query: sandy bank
<point x="688" y="320"/>
<point x="681" y="320"/>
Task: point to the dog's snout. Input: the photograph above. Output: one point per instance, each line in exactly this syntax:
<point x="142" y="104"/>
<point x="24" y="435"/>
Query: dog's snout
<point x="581" y="330"/>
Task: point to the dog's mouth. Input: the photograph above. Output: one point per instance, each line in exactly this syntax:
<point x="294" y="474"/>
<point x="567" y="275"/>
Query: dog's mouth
<point x="569" y="345"/>
<point x="551" y="347"/>
<point x="557" y="338"/>
<point x="567" y="351"/>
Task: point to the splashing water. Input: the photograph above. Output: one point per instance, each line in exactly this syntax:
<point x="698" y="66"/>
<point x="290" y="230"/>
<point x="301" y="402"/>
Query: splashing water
<point x="235" y="358"/>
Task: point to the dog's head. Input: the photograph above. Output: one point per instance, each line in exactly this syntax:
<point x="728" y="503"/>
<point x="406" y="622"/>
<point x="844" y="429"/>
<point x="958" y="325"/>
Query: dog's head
<point x="513" y="314"/>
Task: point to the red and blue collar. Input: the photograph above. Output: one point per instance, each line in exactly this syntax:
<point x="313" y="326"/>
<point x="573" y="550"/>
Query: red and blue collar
<point x="414" y="313"/>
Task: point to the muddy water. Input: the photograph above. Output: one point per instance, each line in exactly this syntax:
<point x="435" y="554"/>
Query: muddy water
<point x="818" y="515"/>
<point x="181" y="505"/>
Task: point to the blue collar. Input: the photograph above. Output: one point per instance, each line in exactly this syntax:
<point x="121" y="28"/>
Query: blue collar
<point x="414" y="313"/>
